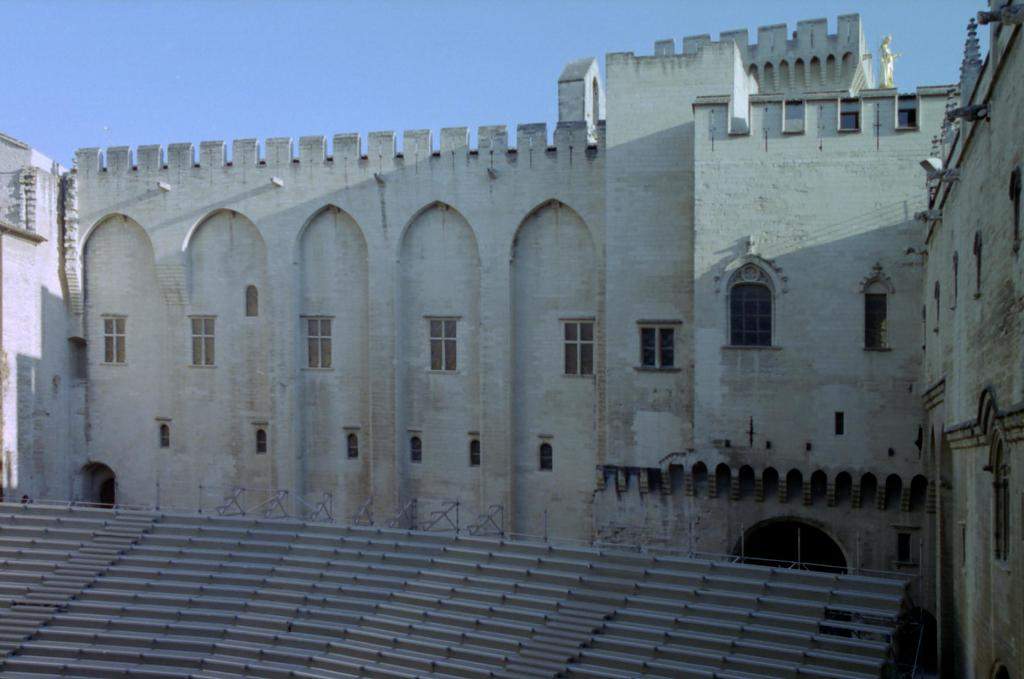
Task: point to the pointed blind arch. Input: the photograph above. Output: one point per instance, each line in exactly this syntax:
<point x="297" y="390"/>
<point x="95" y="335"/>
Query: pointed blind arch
<point x="252" y="301"/>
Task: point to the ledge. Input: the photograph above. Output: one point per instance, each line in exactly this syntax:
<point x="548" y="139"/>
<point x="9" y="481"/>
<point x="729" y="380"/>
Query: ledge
<point x="652" y="369"/>
<point x="20" y="233"/>
<point x="878" y="349"/>
<point x="736" y="347"/>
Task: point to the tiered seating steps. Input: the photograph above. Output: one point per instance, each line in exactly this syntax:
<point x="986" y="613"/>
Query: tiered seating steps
<point x="99" y="593"/>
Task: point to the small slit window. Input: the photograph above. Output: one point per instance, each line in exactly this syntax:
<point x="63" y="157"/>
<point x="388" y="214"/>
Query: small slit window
<point x="840" y="423"/>
<point x="252" y="301"/>
<point x="474" y="453"/>
<point x="849" y="115"/>
<point x="977" y="263"/>
<point x="415" y="449"/>
<point x="165" y="435"/>
<point x="1015" y="198"/>
<point x="547" y="462"/>
<point x="352" y="445"/>
<point x="261" y="440"/>
<point x="903" y="547"/>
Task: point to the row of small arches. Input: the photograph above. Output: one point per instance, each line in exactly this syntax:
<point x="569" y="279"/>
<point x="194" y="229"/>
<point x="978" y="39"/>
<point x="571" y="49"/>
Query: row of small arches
<point x="773" y="78"/>
<point x="844" y="489"/>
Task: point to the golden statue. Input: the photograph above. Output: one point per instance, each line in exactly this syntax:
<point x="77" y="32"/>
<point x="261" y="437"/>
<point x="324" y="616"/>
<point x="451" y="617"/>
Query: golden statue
<point x="888" y="60"/>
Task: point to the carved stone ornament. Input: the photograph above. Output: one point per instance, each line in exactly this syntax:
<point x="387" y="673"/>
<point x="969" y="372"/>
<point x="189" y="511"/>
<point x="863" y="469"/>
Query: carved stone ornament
<point x="877" y="275"/>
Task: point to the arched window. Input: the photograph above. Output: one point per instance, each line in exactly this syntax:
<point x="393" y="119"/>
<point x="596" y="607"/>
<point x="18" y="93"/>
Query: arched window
<point x="977" y="263"/>
<point x="261" y="440"/>
<point x="353" y="446"/>
<point x="1001" y="502"/>
<point x="843" y="486"/>
<point x="746" y="481"/>
<point x="893" y="492"/>
<point x="794" y="484"/>
<point x="819" y="486"/>
<point x="474" y="453"/>
<point x="723" y="480"/>
<point x="770" y="483"/>
<point x="415" y="449"/>
<point x="547" y="462"/>
<point x="868" y="490"/>
<point x="165" y="435"/>
<point x="699" y="479"/>
<point x="252" y="301"/>
<point x="918" y="493"/>
<point x="876" y="317"/>
<point x="750" y="308"/>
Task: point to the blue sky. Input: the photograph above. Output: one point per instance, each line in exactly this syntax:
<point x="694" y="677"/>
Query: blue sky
<point x="97" y="73"/>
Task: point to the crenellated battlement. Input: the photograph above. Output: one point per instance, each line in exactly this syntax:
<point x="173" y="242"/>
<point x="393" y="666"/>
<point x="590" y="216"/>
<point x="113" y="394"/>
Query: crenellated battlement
<point x="811" y="60"/>
<point x="348" y="148"/>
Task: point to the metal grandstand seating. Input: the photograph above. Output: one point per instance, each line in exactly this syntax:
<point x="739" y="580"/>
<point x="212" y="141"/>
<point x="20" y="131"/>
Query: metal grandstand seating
<point x="109" y="593"/>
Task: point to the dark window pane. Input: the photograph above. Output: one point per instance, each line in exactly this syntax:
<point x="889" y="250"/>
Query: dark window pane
<point x="586" y="359"/>
<point x="570" y="331"/>
<point x="474" y="453"/>
<point x="546" y="457"/>
<point x="647" y="348"/>
<point x="435" y="328"/>
<point x="587" y="332"/>
<point x="750" y="315"/>
<point x="449" y="329"/>
<point x="874" y="321"/>
<point x="668" y="347"/>
<point x="314" y="358"/>
<point x="119" y="325"/>
<point x="435" y="354"/>
<point x="108" y="349"/>
<point x="312" y="327"/>
<point x="208" y="326"/>
<point x="208" y="347"/>
<point x="119" y="346"/>
<point x="449" y="355"/>
<point x="197" y="326"/>
<point x="325" y="353"/>
<point x="108" y="326"/>
<point x="353" y="445"/>
<point x="325" y="327"/>
<point x="570" y="359"/>
<point x="415" y="449"/>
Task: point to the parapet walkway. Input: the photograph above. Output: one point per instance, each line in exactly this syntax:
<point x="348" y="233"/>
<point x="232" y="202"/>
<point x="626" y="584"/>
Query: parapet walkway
<point x="106" y="593"/>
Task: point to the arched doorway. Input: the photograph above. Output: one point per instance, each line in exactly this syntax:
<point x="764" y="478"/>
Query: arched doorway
<point x="780" y="542"/>
<point x="99" y="484"/>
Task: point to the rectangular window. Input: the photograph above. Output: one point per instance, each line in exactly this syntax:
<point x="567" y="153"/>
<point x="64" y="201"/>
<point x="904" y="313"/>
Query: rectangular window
<point x="906" y="113"/>
<point x="657" y="347"/>
<point x="443" y="344"/>
<point x="202" y="341"/>
<point x="903" y="547"/>
<point x="579" y="347"/>
<point x="794" y="120"/>
<point x="849" y="115"/>
<point x="875" y="311"/>
<point x="114" y="339"/>
<point x="840" y="423"/>
<point x="318" y="342"/>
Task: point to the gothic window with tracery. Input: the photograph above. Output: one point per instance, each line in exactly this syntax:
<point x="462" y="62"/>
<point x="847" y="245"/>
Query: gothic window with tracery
<point x="750" y="308"/>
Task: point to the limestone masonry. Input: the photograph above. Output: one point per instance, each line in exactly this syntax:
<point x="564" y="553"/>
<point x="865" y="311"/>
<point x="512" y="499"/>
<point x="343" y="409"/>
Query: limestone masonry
<point x="719" y="308"/>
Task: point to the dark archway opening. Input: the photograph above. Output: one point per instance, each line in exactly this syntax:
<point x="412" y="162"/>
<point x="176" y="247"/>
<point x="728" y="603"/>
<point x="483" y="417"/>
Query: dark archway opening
<point x="787" y="541"/>
<point x="99" y="484"/>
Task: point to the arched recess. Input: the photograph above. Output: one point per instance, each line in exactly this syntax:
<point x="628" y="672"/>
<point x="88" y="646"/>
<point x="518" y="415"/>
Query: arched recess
<point x="799" y="75"/>
<point x="99" y="484"/>
<point x="784" y="76"/>
<point x="699" y="478"/>
<point x="815" y="77"/>
<point x="783" y="541"/>
<point x="770" y="483"/>
<point x="768" y="78"/>
<point x="439" y="310"/>
<point x="333" y="293"/>
<point x="554" y="284"/>
<point x="225" y="254"/>
<point x="843" y="488"/>
<point x="868" y="490"/>
<point x="723" y="480"/>
<point x="122" y="296"/>
<point x="848" y="67"/>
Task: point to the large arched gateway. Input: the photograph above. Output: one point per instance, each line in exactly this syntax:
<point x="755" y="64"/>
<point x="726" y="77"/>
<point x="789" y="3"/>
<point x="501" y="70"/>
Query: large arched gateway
<point x="99" y="484"/>
<point x="785" y="541"/>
